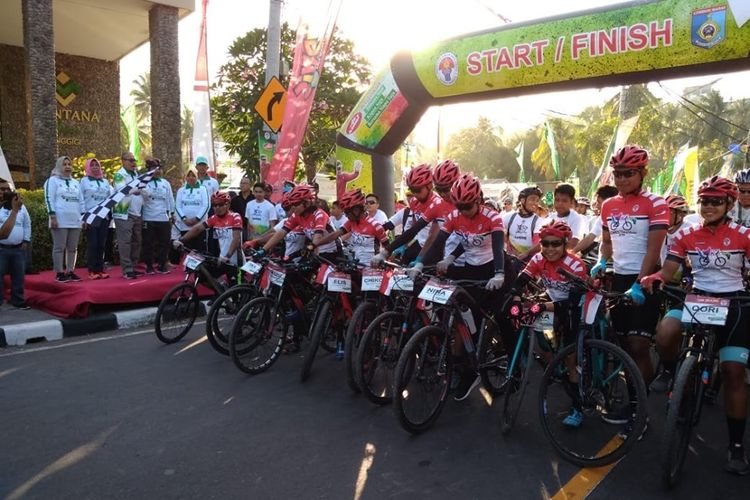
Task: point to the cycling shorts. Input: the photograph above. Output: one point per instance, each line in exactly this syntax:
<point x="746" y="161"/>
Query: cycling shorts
<point x="632" y="320"/>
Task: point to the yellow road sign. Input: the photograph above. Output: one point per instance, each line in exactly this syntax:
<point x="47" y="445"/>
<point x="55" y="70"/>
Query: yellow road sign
<point x="271" y="103"/>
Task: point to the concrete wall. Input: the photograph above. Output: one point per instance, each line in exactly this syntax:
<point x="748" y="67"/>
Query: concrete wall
<point x="88" y="117"/>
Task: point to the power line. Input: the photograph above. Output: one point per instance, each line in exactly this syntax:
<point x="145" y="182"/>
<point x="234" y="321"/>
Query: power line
<point x="702" y="108"/>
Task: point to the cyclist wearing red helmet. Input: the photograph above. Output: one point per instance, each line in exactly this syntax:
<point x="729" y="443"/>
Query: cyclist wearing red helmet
<point x="227" y="230"/>
<point x="634" y="224"/>
<point x="308" y="218"/>
<point x="678" y="209"/>
<point x="716" y="250"/>
<point x="544" y="265"/>
<point x="294" y="241"/>
<point x="365" y="234"/>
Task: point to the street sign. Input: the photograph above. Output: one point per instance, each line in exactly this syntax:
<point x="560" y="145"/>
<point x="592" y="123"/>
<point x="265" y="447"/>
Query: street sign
<point x="271" y="103"/>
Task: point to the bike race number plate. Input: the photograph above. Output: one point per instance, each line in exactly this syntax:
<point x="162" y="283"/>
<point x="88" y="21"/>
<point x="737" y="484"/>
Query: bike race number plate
<point x="252" y="267"/>
<point x="544" y="322"/>
<point x="371" y="279"/>
<point x="193" y="260"/>
<point x="705" y="310"/>
<point x="437" y="292"/>
<point x="277" y="274"/>
<point x="339" y="282"/>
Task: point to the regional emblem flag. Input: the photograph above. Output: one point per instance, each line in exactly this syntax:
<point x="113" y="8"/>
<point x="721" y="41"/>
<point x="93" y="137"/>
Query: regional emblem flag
<point x="709" y="26"/>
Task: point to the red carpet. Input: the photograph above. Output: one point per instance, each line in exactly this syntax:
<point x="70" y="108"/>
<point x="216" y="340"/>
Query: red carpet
<point x="78" y="299"/>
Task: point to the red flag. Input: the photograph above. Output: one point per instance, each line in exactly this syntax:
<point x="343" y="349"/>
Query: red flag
<point x="201" y="64"/>
<point x="202" y="143"/>
<point x="309" y="54"/>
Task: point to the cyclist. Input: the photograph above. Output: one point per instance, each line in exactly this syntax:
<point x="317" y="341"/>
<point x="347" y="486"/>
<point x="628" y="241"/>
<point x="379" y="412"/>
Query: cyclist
<point x="634" y="224"/>
<point x="522" y="225"/>
<point x="545" y="265"/>
<point x="365" y="234"/>
<point x="715" y="250"/>
<point x="308" y="218"/>
<point x="740" y="213"/>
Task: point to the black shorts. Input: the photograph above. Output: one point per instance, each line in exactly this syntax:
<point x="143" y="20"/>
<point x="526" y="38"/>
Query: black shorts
<point x="633" y="320"/>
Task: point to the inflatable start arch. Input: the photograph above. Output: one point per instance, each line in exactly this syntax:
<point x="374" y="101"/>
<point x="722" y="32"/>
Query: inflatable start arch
<point x="621" y="44"/>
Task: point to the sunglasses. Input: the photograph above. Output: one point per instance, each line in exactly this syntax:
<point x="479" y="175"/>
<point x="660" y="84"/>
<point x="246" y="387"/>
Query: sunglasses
<point x="551" y="243"/>
<point x="712" y="202"/>
<point x="464" y="206"/>
<point x="627" y="174"/>
<point x="745" y="191"/>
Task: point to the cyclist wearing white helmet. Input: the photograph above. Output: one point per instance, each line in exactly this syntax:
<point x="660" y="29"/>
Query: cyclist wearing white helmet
<point x="740" y="214"/>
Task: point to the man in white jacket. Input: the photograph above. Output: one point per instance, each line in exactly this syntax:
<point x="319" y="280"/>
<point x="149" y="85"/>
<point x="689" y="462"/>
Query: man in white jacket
<point x="13" y="245"/>
<point x="128" y="218"/>
<point x="158" y="207"/>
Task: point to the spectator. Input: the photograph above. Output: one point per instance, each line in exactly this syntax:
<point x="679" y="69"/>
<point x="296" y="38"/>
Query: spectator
<point x="507" y="205"/>
<point x="280" y="212"/>
<point x="158" y="207"/>
<point x="239" y="203"/>
<point x="64" y="200"/>
<point x="260" y="213"/>
<point x="15" y="236"/>
<point x="565" y="202"/>
<point x="205" y="180"/>
<point x="191" y="207"/>
<point x="337" y="216"/>
<point x="373" y="209"/>
<point x="320" y="202"/>
<point x="95" y="189"/>
<point x="128" y="215"/>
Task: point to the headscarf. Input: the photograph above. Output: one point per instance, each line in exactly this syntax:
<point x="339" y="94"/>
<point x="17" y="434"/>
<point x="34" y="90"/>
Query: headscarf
<point x="58" y="170"/>
<point x="197" y="182"/>
<point x="89" y="172"/>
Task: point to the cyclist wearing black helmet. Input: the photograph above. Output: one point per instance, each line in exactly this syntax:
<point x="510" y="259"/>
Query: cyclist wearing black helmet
<point x="522" y="225"/>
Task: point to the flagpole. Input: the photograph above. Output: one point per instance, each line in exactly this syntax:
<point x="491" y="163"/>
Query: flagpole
<point x="208" y="89"/>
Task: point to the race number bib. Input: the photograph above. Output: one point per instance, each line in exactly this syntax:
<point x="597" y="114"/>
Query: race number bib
<point x="371" y="279"/>
<point x="252" y="267"/>
<point x="276" y="274"/>
<point x="437" y="292"/>
<point x="705" y="310"/>
<point x="544" y="322"/>
<point x="398" y="281"/>
<point x="339" y="282"/>
<point x="193" y="260"/>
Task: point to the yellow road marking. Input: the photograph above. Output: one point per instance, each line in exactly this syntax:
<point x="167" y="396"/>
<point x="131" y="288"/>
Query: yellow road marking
<point x="586" y="480"/>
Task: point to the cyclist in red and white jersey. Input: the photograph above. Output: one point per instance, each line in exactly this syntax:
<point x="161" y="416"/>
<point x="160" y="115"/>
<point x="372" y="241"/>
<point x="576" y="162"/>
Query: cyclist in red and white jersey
<point x="227" y="226"/>
<point x="365" y="235"/>
<point x="544" y="265"/>
<point x="716" y="250"/>
<point x="634" y="224"/>
<point x="308" y="218"/>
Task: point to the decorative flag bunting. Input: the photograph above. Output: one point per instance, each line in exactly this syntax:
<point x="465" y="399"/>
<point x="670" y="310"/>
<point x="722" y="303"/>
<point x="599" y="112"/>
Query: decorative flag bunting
<point x="519" y="159"/>
<point x="677" y="170"/>
<point x="99" y="213"/>
<point x="619" y="139"/>
<point x="202" y="143"/>
<point x="549" y="136"/>
<point x="130" y="120"/>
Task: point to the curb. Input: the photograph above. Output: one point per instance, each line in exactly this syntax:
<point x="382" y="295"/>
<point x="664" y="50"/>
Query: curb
<point x="56" y="329"/>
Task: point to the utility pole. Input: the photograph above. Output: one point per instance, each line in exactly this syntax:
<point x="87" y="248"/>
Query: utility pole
<point x="273" y="50"/>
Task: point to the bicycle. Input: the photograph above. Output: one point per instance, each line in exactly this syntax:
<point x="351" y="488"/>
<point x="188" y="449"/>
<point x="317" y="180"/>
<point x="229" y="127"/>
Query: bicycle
<point x="259" y="329"/>
<point x="181" y="305"/>
<point x="607" y="381"/>
<point x="694" y="375"/>
<point x="425" y="367"/>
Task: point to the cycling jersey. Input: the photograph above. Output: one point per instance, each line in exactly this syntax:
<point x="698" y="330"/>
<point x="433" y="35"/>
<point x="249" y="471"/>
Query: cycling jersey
<point x="740" y="215"/>
<point x="716" y="257"/>
<point x="419" y="208"/>
<point x="670" y="238"/>
<point x="629" y="219"/>
<point x="366" y="237"/>
<point x="475" y="233"/>
<point x="294" y="241"/>
<point x="316" y="221"/>
<point x="224" y="228"/>
<point x="522" y="231"/>
<point x="558" y="286"/>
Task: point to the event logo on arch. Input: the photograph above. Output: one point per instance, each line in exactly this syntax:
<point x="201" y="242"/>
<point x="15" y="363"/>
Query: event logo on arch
<point x="446" y="68"/>
<point x="709" y="26"/>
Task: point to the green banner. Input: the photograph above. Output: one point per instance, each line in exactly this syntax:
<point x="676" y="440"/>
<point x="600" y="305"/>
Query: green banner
<point x="633" y="38"/>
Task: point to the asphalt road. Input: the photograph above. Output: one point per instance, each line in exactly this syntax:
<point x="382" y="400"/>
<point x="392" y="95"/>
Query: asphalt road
<point x="119" y="415"/>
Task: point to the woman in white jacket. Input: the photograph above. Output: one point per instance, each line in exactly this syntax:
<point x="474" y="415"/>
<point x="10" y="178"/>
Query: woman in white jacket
<point x="158" y="206"/>
<point x="95" y="190"/>
<point x="191" y="208"/>
<point x="64" y="200"/>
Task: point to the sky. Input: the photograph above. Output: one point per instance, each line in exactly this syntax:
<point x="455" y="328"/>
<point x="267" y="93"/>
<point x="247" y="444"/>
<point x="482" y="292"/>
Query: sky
<point x="380" y="28"/>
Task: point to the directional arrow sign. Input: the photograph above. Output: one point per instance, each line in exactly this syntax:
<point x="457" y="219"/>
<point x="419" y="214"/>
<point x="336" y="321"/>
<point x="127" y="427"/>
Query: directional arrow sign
<point x="271" y="103"/>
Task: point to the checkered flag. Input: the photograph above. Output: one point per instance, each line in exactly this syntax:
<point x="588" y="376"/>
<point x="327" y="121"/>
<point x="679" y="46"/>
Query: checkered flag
<point x="99" y="213"/>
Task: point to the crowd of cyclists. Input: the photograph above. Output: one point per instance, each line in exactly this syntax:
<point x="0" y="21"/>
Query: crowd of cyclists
<point x="633" y="244"/>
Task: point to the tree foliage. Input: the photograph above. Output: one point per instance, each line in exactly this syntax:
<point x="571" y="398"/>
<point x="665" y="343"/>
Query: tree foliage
<point x="480" y="149"/>
<point x="242" y="79"/>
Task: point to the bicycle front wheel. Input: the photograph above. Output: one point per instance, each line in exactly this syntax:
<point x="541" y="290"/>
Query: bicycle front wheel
<point x="679" y="425"/>
<point x="176" y="313"/>
<point x="517" y="378"/>
<point x="377" y="356"/>
<point x="422" y="379"/>
<point x="493" y="360"/>
<point x="221" y="315"/>
<point x="319" y="331"/>
<point x="363" y="316"/>
<point x="257" y="336"/>
<point x="608" y="383"/>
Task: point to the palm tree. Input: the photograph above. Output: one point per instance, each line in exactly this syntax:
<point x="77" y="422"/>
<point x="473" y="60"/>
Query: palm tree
<point x="141" y="95"/>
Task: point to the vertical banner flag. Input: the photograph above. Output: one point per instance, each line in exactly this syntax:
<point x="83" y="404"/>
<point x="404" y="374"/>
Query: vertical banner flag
<point x="5" y="171"/>
<point x="677" y="170"/>
<point x="307" y="66"/>
<point x="726" y="167"/>
<point x="692" y="176"/>
<point x="619" y="139"/>
<point x="550" y="137"/>
<point x="202" y="143"/>
<point x="266" y="150"/>
<point x="519" y="159"/>
<point x="130" y="120"/>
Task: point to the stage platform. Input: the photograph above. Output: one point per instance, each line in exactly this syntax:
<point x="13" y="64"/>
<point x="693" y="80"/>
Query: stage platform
<point x="86" y="297"/>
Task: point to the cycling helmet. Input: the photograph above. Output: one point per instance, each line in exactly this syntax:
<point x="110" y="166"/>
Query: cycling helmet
<point x="719" y="187"/>
<point x="220" y="198"/>
<point x="466" y="190"/>
<point x="446" y="173"/>
<point x="584" y="201"/>
<point x="677" y="202"/>
<point x="629" y="156"/>
<point x="742" y="177"/>
<point x="528" y="191"/>
<point x="556" y="228"/>
<point x="285" y="201"/>
<point x="351" y="199"/>
<point x="419" y="176"/>
<point x="300" y="193"/>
